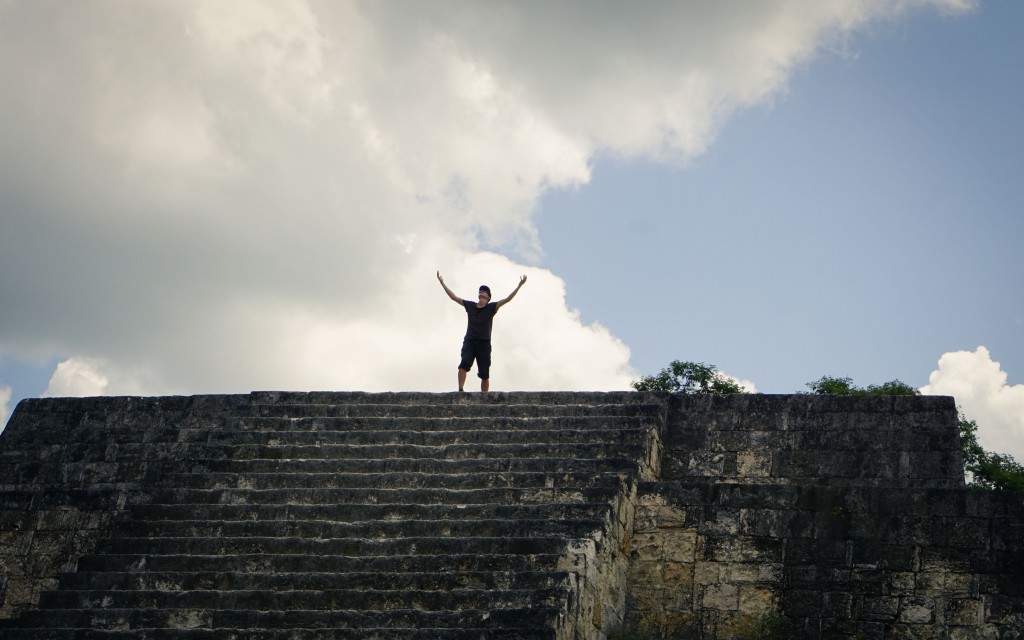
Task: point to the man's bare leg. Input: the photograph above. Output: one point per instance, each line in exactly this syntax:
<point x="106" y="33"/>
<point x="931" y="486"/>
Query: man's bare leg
<point x="485" y="384"/>
<point x="462" y="379"/>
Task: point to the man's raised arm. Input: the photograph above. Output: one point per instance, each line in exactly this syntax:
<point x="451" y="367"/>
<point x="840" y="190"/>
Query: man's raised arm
<point x="505" y="301"/>
<point x="451" y="295"/>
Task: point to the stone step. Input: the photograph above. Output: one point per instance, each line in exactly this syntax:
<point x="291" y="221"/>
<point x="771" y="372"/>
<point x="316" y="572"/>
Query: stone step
<point x="393" y="472"/>
<point x="95" y="482"/>
<point x="304" y="600"/>
<point x="195" y="620"/>
<point x="366" y="529"/>
<point x="390" y="565"/>
<point x="420" y="496"/>
<point x="398" y="479"/>
<point x="197" y="429"/>
<point x="365" y="512"/>
<point x="393" y="633"/>
<point x="311" y="581"/>
<point x="537" y="464"/>
<point x="333" y="546"/>
<point x="410" y="434"/>
<point x="501" y="399"/>
<point x="183" y="452"/>
<point x="517" y="410"/>
<point x="103" y="429"/>
<point x="387" y="424"/>
<point x="38" y="497"/>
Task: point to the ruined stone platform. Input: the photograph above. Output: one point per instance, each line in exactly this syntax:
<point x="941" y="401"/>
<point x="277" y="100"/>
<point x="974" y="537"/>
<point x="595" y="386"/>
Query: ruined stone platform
<point x="506" y="515"/>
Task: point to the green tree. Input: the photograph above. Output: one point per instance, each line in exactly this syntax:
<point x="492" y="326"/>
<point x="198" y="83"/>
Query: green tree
<point x="831" y="386"/>
<point x="688" y="377"/>
<point x="987" y="470"/>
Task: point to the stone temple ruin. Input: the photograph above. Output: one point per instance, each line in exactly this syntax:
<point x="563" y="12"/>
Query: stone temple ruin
<point x="508" y="515"/>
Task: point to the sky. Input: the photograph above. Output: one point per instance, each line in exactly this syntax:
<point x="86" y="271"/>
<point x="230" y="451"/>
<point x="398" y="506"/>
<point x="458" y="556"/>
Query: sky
<point x="224" y="197"/>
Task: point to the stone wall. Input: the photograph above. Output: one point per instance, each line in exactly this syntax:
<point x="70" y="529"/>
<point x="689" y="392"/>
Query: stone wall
<point x="818" y="517"/>
<point x="720" y="561"/>
<point x="822" y="517"/>
<point x="68" y="467"/>
<point x="903" y="441"/>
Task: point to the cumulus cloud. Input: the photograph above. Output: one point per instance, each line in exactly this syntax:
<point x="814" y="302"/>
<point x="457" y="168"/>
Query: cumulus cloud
<point x="748" y="386"/>
<point x="5" y="409"/>
<point x="212" y="197"/>
<point x="979" y="385"/>
<point x="76" y="377"/>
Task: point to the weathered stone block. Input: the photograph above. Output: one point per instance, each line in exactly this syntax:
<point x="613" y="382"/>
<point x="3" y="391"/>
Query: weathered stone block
<point x="909" y="631"/>
<point x="1002" y="609"/>
<point x="880" y="608"/>
<point x="18" y="594"/>
<point x="720" y="597"/>
<point x="742" y="549"/>
<point x="742" y="572"/>
<point x="963" y="611"/>
<point x="947" y="559"/>
<point x="647" y="546"/>
<point x="679" y="575"/>
<point x="958" y="584"/>
<point x="678" y="545"/>
<point x="803" y="576"/>
<point x="680" y="624"/>
<point x="670" y="516"/>
<point x="838" y="605"/>
<point x="724" y="522"/>
<point x="646" y="573"/>
<point x="644" y="623"/>
<point x="754" y="464"/>
<point x="917" y="610"/>
<point x="969" y="633"/>
<point x="771" y="573"/>
<point x="902" y="583"/>
<point x="870" y="631"/>
<point x="705" y="573"/>
<point x="801" y="603"/>
<point x="966" y="533"/>
<point x="931" y="582"/>
<point x="756" y="600"/>
<point x="881" y="555"/>
<point x="706" y="463"/>
<point x="681" y="598"/>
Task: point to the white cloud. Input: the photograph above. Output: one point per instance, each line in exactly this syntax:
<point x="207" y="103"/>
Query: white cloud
<point x="747" y="385"/>
<point x="5" y="409"/>
<point x="214" y="197"/>
<point x="76" y="377"/>
<point x="979" y="385"/>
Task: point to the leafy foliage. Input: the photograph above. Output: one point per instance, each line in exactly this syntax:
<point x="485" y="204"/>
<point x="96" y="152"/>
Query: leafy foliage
<point x="830" y="386"/>
<point x="987" y="470"/>
<point x="688" y="377"/>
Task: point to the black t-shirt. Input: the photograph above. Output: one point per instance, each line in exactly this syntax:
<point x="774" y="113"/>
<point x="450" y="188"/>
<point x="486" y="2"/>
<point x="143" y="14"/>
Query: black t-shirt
<point x="480" y="318"/>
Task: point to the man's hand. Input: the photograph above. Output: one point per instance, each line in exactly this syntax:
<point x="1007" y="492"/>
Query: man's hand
<point x="451" y="295"/>
<point x="522" y="281"/>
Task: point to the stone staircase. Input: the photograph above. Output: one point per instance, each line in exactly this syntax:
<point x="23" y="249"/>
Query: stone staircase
<point x="349" y="515"/>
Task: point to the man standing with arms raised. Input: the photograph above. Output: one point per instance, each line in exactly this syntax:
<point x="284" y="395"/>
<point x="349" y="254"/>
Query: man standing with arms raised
<point x="477" y="343"/>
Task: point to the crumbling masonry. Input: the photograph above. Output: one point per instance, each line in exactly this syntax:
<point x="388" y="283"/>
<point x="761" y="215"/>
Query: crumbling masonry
<point x="507" y="515"/>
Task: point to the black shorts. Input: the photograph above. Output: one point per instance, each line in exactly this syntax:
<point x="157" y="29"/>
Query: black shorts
<point x="479" y="350"/>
